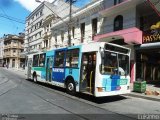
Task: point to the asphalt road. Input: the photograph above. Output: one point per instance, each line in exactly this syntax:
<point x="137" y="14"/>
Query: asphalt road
<point x="25" y="100"/>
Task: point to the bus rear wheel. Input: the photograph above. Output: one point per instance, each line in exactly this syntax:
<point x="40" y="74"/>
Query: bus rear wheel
<point x="70" y="87"/>
<point x="35" y="78"/>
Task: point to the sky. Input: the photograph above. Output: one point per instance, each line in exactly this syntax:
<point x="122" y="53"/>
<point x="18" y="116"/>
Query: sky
<point x="14" y="12"/>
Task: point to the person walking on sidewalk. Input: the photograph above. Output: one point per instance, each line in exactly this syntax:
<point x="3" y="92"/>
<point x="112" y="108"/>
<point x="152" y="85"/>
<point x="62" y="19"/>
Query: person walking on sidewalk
<point x="7" y="66"/>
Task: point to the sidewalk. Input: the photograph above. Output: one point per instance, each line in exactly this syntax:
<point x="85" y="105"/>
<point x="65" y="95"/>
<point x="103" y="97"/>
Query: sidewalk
<point x="149" y="95"/>
<point x="15" y="69"/>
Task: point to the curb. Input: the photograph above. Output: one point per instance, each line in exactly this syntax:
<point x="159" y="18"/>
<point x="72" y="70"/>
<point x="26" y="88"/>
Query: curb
<point x="153" y="98"/>
<point x="14" y="69"/>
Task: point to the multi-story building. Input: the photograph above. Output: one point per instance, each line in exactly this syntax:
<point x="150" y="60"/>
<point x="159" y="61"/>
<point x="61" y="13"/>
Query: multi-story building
<point x="38" y="23"/>
<point x="85" y="25"/>
<point x="127" y="22"/>
<point x="123" y="22"/>
<point x="13" y="49"/>
<point x="1" y="51"/>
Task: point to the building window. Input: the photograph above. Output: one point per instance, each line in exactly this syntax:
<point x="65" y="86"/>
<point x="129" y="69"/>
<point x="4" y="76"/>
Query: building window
<point x="35" y="60"/>
<point x="39" y="46"/>
<point x="73" y="31"/>
<point x="117" y="2"/>
<point x="40" y="34"/>
<point x="82" y="32"/>
<point x="56" y="38"/>
<point x="118" y="23"/>
<point x="94" y="26"/>
<point x="62" y="36"/>
<point x="40" y="13"/>
<point x="40" y="24"/>
<point x="32" y="18"/>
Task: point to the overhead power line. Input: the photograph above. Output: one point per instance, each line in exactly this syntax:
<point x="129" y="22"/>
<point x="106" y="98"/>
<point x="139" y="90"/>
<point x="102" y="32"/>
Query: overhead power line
<point x="12" y="18"/>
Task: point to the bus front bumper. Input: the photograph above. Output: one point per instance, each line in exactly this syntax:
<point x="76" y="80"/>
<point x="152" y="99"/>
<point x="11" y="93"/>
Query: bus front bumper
<point x="111" y="93"/>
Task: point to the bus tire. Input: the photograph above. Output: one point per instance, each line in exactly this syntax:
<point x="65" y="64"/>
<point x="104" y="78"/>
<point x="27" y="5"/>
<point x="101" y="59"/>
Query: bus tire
<point x="70" y="87"/>
<point x="34" y="77"/>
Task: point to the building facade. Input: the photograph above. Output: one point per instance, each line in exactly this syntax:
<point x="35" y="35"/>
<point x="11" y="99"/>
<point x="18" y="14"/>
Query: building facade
<point x="86" y="23"/>
<point x="127" y="23"/>
<point x="122" y="22"/>
<point x="38" y="33"/>
<point x="1" y="51"/>
<point x="13" y="49"/>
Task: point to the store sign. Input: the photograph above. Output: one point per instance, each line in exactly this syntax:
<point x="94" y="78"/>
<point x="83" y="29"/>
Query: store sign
<point x="152" y="35"/>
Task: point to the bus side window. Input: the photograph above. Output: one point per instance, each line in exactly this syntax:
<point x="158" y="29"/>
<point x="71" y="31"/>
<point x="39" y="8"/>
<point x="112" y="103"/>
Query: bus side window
<point x="59" y="59"/>
<point x="36" y="60"/>
<point x="72" y="58"/>
<point x="42" y="60"/>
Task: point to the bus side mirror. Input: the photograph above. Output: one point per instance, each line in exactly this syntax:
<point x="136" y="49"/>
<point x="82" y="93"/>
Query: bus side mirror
<point x="102" y="55"/>
<point x="100" y="68"/>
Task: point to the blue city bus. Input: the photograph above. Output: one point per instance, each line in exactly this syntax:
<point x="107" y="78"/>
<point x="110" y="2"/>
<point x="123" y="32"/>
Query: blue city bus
<point x="98" y="68"/>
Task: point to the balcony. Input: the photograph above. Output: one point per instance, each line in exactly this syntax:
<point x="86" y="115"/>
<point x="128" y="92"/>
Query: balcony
<point x="7" y="54"/>
<point x="12" y="55"/>
<point x="22" y="55"/>
<point x="6" y="46"/>
<point x="20" y="46"/>
<point x="127" y="4"/>
<point x="47" y="35"/>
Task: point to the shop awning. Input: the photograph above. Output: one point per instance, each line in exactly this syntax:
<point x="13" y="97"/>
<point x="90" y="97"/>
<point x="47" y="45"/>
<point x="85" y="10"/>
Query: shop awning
<point x="130" y="36"/>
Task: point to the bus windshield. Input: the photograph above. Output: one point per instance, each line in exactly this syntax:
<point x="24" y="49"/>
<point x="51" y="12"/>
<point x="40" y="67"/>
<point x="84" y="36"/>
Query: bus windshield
<point x="114" y="63"/>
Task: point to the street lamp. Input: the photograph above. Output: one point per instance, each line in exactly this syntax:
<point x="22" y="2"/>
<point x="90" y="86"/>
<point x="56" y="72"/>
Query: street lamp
<point x="68" y="24"/>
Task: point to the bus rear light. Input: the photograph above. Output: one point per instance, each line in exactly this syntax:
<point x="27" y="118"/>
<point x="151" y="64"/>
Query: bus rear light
<point x="101" y="89"/>
<point x="118" y="88"/>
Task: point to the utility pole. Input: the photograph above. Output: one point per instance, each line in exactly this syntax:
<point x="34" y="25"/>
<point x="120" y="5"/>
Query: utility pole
<point x="69" y="25"/>
<point x="70" y="20"/>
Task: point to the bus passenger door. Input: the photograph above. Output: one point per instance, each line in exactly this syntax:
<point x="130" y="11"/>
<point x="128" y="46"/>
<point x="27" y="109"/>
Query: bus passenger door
<point x="49" y="68"/>
<point x="88" y="68"/>
<point x="29" y="67"/>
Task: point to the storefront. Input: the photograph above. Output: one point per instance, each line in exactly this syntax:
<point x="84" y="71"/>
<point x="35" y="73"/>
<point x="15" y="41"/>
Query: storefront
<point x="148" y="55"/>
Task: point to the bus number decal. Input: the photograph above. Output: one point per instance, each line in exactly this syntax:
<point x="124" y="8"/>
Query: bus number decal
<point x="58" y="70"/>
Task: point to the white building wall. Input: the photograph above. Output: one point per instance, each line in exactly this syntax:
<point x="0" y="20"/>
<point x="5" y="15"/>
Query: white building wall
<point x="84" y="15"/>
<point x="33" y="38"/>
<point x="129" y="20"/>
